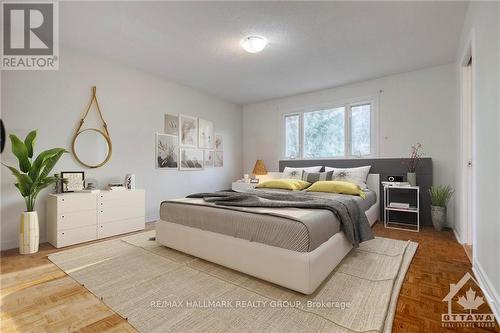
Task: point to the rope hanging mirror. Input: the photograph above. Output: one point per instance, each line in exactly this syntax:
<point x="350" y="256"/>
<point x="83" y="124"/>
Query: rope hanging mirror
<point x="92" y="147"/>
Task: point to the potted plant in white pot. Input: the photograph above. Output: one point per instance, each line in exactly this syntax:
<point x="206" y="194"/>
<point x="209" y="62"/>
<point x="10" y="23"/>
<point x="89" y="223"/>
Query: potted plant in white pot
<point x="32" y="177"/>
<point x="440" y="195"/>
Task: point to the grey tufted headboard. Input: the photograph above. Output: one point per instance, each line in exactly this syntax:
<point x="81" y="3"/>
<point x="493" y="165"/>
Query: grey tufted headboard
<point x="385" y="167"/>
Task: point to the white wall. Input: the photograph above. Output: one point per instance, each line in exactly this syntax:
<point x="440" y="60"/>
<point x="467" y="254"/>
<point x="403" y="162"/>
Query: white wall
<point x="482" y="25"/>
<point x="133" y="104"/>
<point x="419" y="106"/>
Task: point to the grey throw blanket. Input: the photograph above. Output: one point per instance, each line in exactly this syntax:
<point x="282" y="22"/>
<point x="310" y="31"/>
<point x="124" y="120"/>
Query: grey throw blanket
<point x="353" y="221"/>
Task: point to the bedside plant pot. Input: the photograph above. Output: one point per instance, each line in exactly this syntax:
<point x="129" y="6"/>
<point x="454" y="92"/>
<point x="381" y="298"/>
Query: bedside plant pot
<point x="411" y="177"/>
<point x="29" y="233"/>
<point x="438" y="216"/>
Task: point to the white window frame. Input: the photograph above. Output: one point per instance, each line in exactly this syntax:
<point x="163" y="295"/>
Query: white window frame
<point x="373" y="100"/>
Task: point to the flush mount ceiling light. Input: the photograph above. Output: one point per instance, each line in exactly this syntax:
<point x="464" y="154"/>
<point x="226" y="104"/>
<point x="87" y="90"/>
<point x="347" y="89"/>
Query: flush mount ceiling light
<point x="253" y="44"/>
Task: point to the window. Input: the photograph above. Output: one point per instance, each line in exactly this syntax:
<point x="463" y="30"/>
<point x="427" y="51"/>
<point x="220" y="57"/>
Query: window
<point x="336" y="132"/>
<point x="292" y="135"/>
<point x="324" y="133"/>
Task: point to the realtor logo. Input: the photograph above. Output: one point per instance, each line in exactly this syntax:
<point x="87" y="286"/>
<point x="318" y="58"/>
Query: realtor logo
<point x="467" y="298"/>
<point x="30" y="38"/>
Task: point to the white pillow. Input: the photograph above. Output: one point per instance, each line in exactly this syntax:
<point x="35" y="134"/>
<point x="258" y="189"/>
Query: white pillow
<point x="354" y="175"/>
<point x="296" y="173"/>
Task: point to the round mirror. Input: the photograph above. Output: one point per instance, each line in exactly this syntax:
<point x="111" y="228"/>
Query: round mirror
<point x="92" y="147"/>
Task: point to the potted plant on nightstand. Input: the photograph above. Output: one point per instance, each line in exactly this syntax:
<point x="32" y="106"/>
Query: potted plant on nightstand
<point x="32" y="177"/>
<point x="439" y="199"/>
<point x="412" y="163"/>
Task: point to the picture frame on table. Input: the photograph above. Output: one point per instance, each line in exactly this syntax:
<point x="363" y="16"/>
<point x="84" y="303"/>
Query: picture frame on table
<point x="72" y="181"/>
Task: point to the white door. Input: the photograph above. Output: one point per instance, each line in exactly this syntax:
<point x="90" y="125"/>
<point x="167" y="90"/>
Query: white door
<point x="467" y="148"/>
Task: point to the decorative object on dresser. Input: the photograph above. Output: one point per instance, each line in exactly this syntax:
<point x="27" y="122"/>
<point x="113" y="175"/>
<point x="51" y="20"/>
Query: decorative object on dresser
<point x="167" y="147"/>
<point x="412" y="163"/>
<point x="92" y="147"/>
<point x="116" y="187"/>
<point x="129" y="182"/>
<point x="74" y="218"/>
<point x="403" y="214"/>
<point x="171" y="124"/>
<point x="188" y="131"/>
<point x="191" y="159"/>
<point x="31" y="178"/>
<point x="259" y="169"/>
<point x="72" y="181"/>
<point x="440" y="195"/>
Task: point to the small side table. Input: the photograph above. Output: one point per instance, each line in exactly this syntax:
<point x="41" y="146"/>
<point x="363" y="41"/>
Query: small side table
<point x="394" y="216"/>
<point x="243" y="186"/>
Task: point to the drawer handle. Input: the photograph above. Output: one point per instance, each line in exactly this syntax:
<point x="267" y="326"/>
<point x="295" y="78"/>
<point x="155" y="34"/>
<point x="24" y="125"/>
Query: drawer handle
<point x="63" y="233"/>
<point x="62" y="199"/>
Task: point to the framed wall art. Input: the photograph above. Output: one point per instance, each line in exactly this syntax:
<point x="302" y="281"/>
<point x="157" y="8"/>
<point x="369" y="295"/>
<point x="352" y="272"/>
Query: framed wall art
<point x="191" y="159"/>
<point x="205" y="134"/>
<point x="171" y="124"/>
<point x="188" y="131"/>
<point x="167" y="148"/>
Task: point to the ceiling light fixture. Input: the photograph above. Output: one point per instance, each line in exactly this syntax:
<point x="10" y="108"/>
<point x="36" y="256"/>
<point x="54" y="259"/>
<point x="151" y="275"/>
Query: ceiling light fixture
<point x="253" y="44"/>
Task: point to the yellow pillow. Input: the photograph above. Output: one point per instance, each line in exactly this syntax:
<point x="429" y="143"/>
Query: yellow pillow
<point x="285" y="184"/>
<point x="334" y="186"/>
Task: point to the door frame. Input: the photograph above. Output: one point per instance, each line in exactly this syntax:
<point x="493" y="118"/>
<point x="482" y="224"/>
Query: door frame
<point x="467" y="141"/>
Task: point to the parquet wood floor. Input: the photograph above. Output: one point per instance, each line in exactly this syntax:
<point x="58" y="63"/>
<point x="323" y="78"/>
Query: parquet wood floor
<point x="36" y="296"/>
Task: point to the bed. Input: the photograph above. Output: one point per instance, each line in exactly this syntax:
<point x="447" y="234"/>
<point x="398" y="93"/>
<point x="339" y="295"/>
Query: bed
<point x="293" y="247"/>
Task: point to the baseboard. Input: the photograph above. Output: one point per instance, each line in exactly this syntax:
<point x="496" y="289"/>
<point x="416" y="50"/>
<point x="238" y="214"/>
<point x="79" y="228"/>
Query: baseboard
<point x="488" y="289"/>
<point x="457" y="236"/>
<point x="153" y="218"/>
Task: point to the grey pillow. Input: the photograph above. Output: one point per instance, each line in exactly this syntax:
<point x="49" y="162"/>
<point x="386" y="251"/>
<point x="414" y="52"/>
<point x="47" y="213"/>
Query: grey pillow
<point x="313" y="177"/>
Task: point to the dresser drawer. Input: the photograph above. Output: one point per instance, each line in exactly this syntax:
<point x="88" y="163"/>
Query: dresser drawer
<point x="75" y="202"/>
<point x="71" y="220"/>
<point x="121" y="195"/>
<point x="120" y="227"/>
<point x="77" y="235"/>
<point x="109" y="211"/>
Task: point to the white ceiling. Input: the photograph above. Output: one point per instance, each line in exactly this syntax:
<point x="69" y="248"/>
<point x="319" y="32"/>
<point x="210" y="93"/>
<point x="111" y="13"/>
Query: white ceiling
<point x="312" y="45"/>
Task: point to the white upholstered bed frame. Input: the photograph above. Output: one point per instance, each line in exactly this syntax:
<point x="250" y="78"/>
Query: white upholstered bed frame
<point x="299" y="271"/>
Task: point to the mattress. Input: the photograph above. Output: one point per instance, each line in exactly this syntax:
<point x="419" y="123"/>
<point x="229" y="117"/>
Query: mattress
<point x="296" y="229"/>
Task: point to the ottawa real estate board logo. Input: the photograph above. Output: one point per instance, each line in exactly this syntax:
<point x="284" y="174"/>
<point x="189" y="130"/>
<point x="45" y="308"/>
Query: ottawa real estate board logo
<point x="466" y="306"/>
<point x="30" y="38"/>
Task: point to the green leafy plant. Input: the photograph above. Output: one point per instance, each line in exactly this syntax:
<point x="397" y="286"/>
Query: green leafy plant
<point x="33" y="174"/>
<point x="440" y="195"/>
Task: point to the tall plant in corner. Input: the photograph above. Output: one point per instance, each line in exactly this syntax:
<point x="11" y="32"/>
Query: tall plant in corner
<point x="31" y="177"/>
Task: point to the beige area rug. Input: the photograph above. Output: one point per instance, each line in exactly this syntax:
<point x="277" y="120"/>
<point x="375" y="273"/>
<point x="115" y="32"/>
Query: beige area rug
<point x="161" y="290"/>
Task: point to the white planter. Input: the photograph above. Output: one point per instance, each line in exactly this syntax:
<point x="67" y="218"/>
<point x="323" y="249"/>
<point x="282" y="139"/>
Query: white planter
<point x="29" y="233"/>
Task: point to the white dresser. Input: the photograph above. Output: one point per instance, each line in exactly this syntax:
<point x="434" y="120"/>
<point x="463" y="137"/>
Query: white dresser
<point x="74" y="218"/>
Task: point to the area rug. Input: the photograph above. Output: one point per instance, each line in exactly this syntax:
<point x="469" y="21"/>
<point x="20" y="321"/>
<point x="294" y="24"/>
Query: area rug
<point x="158" y="289"/>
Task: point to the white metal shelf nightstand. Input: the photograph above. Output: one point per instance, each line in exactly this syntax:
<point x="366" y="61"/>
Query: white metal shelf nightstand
<point x="410" y="207"/>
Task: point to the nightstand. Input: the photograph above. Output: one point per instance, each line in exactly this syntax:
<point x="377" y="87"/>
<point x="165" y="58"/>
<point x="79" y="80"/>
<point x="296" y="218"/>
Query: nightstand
<point x="401" y="207"/>
<point x="242" y="186"/>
